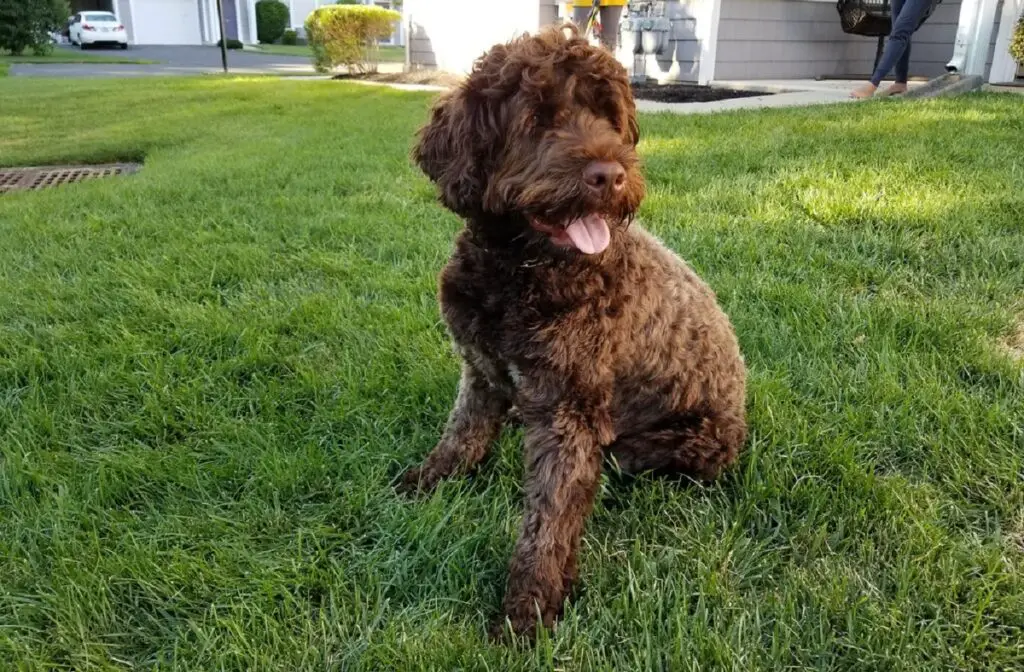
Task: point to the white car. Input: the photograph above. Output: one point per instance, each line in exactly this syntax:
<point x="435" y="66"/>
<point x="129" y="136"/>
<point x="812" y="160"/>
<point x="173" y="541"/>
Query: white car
<point x="89" y="28"/>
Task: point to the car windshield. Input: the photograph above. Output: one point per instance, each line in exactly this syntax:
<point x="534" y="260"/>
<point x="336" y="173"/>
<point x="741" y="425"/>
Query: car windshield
<point x="99" y="18"/>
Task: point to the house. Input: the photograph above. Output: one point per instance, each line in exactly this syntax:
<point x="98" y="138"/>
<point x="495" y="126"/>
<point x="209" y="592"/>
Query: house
<point x="178" y="21"/>
<point x="723" y="40"/>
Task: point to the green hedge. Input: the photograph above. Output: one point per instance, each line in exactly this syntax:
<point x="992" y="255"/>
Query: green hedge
<point x="271" y="20"/>
<point x="347" y="35"/>
<point x="1017" y="42"/>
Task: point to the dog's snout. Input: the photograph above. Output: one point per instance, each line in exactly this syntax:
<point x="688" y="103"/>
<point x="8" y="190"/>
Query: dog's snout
<point x="605" y="177"/>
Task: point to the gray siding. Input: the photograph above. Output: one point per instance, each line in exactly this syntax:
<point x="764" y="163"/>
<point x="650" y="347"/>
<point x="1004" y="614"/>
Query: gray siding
<point x="780" y="39"/>
<point x="772" y="39"/>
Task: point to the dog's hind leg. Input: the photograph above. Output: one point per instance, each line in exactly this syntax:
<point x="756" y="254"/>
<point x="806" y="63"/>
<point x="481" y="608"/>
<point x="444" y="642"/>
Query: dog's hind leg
<point x="700" y="446"/>
<point x="473" y="424"/>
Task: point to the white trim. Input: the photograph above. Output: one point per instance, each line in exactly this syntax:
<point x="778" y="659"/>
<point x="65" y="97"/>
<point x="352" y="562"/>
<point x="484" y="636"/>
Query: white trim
<point x="250" y="11"/>
<point x="238" y="21"/>
<point x="1004" y="69"/>
<point x="706" y="30"/>
<point x="213" y="22"/>
<point x="131" y="21"/>
<point x="204" y="21"/>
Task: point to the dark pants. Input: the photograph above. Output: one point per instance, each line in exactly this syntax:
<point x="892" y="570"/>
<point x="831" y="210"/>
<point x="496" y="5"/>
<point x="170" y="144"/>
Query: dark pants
<point x="906" y="15"/>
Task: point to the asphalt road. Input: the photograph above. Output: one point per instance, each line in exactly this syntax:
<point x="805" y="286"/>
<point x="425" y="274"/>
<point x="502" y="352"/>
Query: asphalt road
<point x="173" y="60"/>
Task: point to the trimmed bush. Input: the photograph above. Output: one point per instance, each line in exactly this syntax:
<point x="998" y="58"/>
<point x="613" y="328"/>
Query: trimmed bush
<point x="233" y="43"/>
<point x="1017" y="42"/>
<point x="271" y="20"/>
<point x="27" y="24"/>
<point x="347" y="35"/>
<point x="290" y="37"/>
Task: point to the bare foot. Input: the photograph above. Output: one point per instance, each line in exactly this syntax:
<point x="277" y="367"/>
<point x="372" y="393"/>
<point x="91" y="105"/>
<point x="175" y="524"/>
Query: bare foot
<point x="895" y="90"/>
<point x="864" y="91"/>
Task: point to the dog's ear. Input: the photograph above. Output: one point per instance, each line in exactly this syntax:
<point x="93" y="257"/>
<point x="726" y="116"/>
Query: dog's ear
<point x="449" y="151"/>
<point x="634" y="126"/>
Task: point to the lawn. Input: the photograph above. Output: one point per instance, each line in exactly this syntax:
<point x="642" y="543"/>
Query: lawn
<point x="386" y="54"/>
<point x="211" y="371"/>
<point x="67" y="55"/>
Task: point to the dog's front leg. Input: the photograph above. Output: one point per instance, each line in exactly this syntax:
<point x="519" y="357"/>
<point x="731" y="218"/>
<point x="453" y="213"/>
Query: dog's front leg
<point x="474" y="422"/>
<point x="563" y="470"/>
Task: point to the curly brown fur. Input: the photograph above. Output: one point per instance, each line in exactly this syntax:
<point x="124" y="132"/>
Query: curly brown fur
<point x="606" y="348"/>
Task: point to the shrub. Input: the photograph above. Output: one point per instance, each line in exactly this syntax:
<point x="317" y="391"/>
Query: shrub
<point x="347" y="35"/>
<point x="290" y="37"/>
<point x="27" y="24"/>
<point x="233" y="43"/>
<point x="1017" y="41"/>
<point x="271" y="20"/>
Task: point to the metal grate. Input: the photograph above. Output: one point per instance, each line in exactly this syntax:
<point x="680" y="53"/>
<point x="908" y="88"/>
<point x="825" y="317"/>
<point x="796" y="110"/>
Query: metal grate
<point x="43" y="177"/>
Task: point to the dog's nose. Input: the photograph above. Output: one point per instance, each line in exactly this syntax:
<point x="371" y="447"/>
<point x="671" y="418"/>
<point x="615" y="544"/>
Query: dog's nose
<point x="604" y="177"/>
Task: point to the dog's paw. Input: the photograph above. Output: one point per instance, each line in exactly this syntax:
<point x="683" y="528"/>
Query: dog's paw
<point x="415" y="481"/>
<point x="521" y="620"/>
<point x="505" y="630"/>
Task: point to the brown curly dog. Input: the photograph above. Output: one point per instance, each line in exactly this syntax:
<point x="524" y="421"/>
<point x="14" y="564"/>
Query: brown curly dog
<point x="606" y="343"/>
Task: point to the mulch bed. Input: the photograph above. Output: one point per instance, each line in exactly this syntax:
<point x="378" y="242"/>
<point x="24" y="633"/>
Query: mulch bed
<point x="662" y="93"/>
<point x="688" y="93"/>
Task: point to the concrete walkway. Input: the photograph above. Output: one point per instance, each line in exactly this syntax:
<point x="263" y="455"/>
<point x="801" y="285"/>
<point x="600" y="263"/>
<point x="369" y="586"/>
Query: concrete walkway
<point x="779" y="93"/>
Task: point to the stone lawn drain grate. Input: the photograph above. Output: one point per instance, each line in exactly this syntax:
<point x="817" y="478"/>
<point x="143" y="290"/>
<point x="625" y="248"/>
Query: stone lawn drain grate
<point x="43" y="177"/>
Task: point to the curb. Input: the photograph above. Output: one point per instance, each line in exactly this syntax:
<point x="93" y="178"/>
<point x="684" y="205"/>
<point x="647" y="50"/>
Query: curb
<point x="950" y="84"/>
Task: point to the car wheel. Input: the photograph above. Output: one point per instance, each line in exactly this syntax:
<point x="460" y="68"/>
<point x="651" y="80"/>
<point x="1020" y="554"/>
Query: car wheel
<point x="124" y="45"/>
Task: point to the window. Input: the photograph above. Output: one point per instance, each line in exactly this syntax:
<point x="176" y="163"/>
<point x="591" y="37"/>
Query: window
<point x="100" y="17"/>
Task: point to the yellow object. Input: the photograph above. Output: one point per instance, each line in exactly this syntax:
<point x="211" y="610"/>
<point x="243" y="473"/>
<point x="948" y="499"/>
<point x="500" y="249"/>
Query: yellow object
<point x="603" y="3"/>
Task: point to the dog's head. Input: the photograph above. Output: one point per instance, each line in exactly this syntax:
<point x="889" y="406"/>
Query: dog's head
<point x="542" y="135"/>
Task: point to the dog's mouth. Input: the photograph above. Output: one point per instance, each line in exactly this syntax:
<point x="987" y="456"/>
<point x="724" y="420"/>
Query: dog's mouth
<point x="589" y="234"/>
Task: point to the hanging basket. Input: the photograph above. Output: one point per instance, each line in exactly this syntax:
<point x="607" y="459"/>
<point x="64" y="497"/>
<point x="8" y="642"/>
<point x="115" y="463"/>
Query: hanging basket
<point x="872" y="18"/>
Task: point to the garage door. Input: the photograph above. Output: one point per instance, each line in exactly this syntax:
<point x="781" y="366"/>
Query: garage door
<point x="166" y="22"/>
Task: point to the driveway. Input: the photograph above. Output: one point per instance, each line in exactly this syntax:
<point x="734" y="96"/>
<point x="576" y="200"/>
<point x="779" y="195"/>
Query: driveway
<point x="190" y="60"/>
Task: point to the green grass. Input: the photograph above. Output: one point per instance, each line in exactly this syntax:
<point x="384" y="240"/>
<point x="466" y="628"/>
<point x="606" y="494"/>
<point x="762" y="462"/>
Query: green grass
<point x="210" y="371"/>
<point x="387" y="54"/>
<point x="67" y="55"/>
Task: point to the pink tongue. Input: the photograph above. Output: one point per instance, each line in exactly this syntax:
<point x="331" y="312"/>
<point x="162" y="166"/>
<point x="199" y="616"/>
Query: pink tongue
<point x="589" y="234"/>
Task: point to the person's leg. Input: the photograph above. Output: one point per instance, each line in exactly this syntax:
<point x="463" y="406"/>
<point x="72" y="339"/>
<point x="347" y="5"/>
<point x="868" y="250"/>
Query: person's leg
<point x="906" y="15"/>
<point x="902" y="65"/>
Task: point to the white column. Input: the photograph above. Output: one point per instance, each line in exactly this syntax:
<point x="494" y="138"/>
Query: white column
<point x="973" y="37"/>
<point x="251" y="12"/>
<point x="1004" y="68"/>
<point x="130" y="26"/>
<point x="706" y="29"/>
